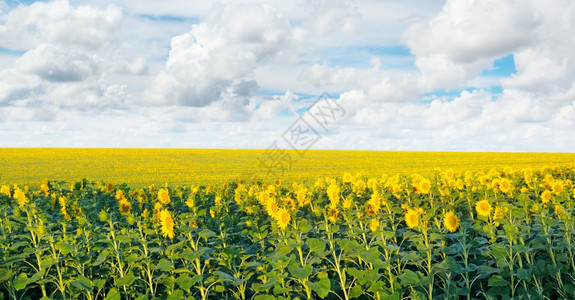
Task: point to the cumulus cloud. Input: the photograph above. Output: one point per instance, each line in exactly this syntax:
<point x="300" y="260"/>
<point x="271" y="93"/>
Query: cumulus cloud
<point x="216" y="60"/>
<point x="60" y="23"/>
<point x="68" y="53"/>
<point x="332" y="17"/>
<point x="468" y="30"/>
<point x="59" y="65"/>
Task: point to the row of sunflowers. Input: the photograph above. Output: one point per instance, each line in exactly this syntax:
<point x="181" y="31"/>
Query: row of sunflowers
<point x="498" y="234"/>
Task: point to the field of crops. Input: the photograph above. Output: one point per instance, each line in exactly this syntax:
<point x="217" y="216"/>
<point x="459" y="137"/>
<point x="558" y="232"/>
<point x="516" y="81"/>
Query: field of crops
<point x="448" y="233"/>
<point x="143" y="167"/>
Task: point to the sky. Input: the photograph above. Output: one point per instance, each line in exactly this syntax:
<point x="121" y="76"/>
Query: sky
<point x="413" y="75"/>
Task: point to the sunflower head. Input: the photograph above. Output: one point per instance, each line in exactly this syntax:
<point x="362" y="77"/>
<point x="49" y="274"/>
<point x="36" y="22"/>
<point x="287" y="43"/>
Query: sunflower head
<point x="546" y="196"/>
<point x="424" y="186"/>
<point x="451" y="221"/>
<point x="483" y="208"/>
<point x="5" y="190"/>
<point x="125" y="207"/>
<point x="283" y="218"/>
<point x="505" y="185"/>
<point x="163" y="196"/>
<point x="412" y="218"/>
<point x="373" y="225"/>
<point x="333" y="214"/>
<point x="557" y="187"/>
<point x="167" y="224"/>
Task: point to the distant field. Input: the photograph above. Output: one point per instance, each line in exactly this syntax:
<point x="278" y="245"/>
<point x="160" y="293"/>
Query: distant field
<point x="141" y="167"/>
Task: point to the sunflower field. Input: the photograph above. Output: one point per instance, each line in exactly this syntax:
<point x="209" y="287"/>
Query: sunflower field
<point x="505" y="234"/>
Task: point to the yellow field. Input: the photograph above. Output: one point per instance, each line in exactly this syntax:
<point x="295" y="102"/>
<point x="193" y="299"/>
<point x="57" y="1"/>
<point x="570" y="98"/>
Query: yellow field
<point x="141" y="167"/>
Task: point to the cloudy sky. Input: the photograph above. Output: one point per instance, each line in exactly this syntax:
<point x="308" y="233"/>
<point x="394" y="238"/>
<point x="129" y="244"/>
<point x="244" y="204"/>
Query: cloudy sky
<point x="470" y="75"/>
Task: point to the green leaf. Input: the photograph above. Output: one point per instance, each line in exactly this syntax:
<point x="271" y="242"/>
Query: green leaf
<point x="497" y="280"/>
<point x="126" y="280"/>
<point x="164" y="265"/>
<point x="357" y="274"/>
<point x="370" y="276"/>
<point x="416" y="295"/>
<point x="14" y="258"/>
<point x="315" y="245"/>
<point x="377" y="287"/>
<point x="523" y="274"/>
<point x="304" y="226"/>
<point x="20" y="281"/>
<point x="100" y="283"/>
<point x="499" y="251"/>
<point x="411" y="256"/>
<point x="5" y="274"/>
<point x="408" y="277"/>
<point x="37" y="276"/>
<point x="299" y="272"/>
<point x="522" y="248"/>
<point x="101" y="258"/>
<point x="333" y="228"/>
<point x="264" y="297"/>
<point x="394" y="296"/>
<point x="321" y="287"/>
<point x="226" y="277"/>
<point x="176" y="295"/>
<point x="174" y="247"/>
<point x="64" y="248"/>
<point x="356" y="291"/>
<point x="185" y="282"/>
<point x="370" y="256"/>
<point x="206" y="233"/>
<point x="82" y="282"/>
<point x="113" y="294"/>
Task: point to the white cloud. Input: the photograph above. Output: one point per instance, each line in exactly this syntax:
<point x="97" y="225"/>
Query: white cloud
<point x="216" y="60"/>
<point x="57" y="64"/>
<point x="332" y="17"/>
<point x="468" y="30"/>
<point x="60" y="23"/>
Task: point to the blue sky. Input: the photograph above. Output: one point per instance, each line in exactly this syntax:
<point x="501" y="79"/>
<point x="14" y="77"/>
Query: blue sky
<point x="410" y="75"/>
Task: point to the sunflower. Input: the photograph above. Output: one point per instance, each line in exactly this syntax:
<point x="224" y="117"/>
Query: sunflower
<point x="109" y="187"/>
<point x="120" y="195"/>
<point x="359" y="187"/>
<point x="302" y="198"/>
<point x="424" y="186"/>
<point x="190" y="202"/>
<point x="63" y="210"/>
<point x="412" y="218"/>
<point x="505" y="185"/>
<point x="347" y="178"/>
<point x="5" y="190"/>
<point x="557" y="187"/>
<point x="125" y="207"/>
<point x="157" y="211"/>
<point x="272" y="208"/>
<point x="451" y="221"/>
<point x="546" y="196"/>
<point x="333" y="193"/>
<point x="459" y="184"/>
<point x="283" y="218"/>
<point x="347" y="202"/>
<point x="20" y="197"/>
<point x="483" y="208"/>
<point x="497" y="215"/>
<point x="333" y="212"/>
<point x="373" y="225"/>
<point x="44" y="189"/>
<point x="164" y="196"/>
<point x="167" y="224"/>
